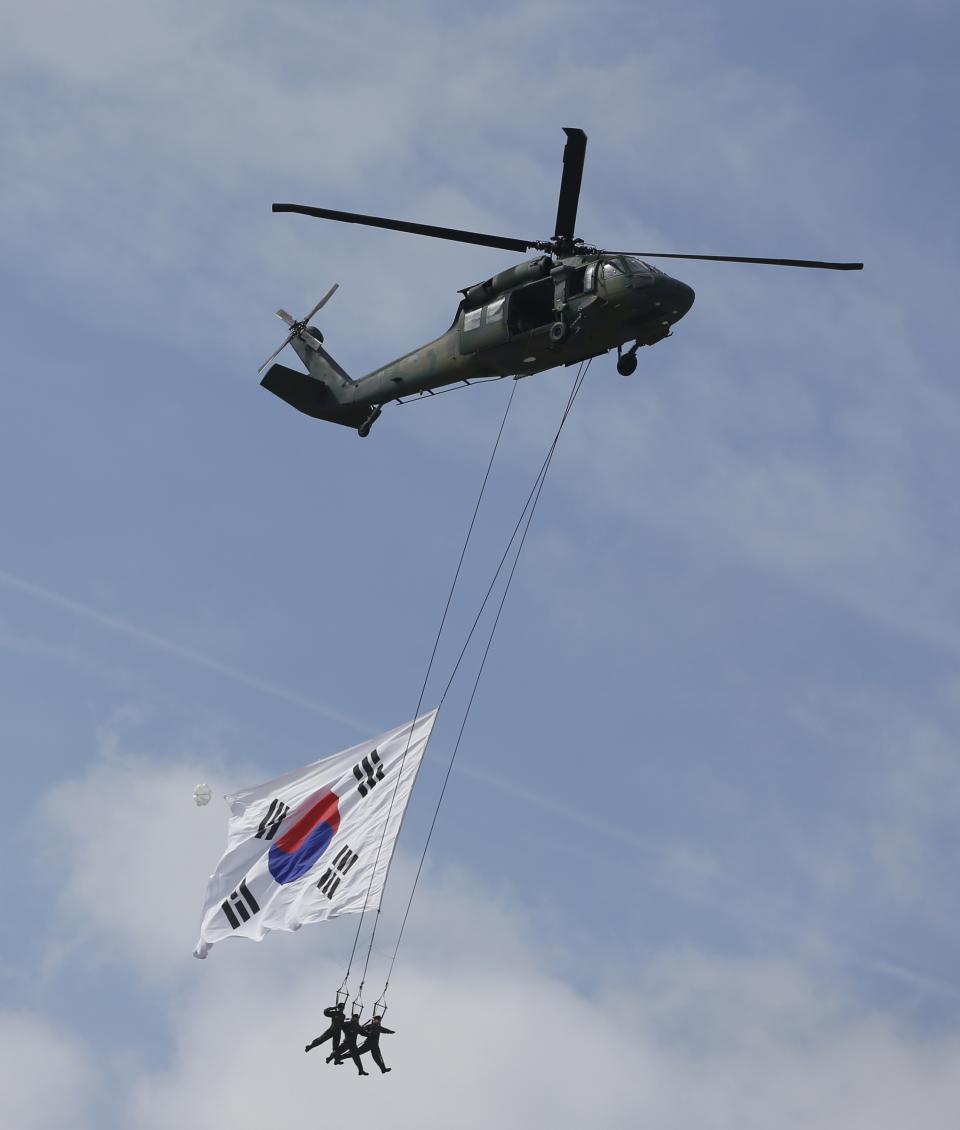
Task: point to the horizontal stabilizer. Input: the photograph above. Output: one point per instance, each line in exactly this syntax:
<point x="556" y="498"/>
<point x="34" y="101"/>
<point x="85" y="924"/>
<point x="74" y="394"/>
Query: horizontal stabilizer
<point x="312" y="397"/>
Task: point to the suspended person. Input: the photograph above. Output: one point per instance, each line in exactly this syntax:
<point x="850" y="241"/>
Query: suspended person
<point x="348" y="1046"/>
<point x="335" y="1032"/>
<point x="372" y="1031"/>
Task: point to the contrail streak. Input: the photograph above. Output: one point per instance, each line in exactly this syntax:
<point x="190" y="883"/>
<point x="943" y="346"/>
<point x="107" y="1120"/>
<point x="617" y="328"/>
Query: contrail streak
<point x="918" y="980"/>
<point x="197" y="658"/>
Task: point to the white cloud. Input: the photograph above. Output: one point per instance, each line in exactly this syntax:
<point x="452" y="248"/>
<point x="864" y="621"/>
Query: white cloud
<point x="46" y="1077"/>
<point x="692" y="1040"/>
<point x="139" y="852"/>
<point x="488" y="1029"/>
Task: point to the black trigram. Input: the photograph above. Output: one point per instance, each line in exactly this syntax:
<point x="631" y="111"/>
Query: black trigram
<point x="273" y="819"/>
<point x="239" y="906"/>
<point x="368" y="772"/>
<point x="330" y="879"/>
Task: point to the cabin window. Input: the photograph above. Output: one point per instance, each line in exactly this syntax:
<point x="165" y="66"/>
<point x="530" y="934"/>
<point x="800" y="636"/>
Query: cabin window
<point x="495" y="311"/>
<point x="471" y="320"/>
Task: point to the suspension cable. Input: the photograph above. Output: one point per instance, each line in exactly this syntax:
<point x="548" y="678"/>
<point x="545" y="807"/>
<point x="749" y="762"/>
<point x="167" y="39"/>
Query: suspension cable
<point x="529" y="507"/>
<point x="537" y="482"/>
<point x="423" y="688"/>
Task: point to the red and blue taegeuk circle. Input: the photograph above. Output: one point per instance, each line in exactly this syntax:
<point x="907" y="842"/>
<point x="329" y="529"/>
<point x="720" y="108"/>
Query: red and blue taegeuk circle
<point x="314" y="824"/>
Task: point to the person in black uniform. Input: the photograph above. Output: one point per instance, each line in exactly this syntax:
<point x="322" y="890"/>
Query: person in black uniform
<point x="348" y="1046"/>
<point x="372" y="1031"/>
<point x="335" y="1032"/>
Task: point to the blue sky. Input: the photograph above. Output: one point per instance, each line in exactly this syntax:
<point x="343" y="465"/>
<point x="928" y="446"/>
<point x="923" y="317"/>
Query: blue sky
<point x="698" y="859"/>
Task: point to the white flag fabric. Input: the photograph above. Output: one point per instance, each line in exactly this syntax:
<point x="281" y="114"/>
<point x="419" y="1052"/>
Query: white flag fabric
<point x="311" y="844"/>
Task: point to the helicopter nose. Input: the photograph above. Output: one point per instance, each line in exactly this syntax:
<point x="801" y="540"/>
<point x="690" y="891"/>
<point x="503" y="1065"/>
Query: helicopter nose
<point x="678" y="298"/>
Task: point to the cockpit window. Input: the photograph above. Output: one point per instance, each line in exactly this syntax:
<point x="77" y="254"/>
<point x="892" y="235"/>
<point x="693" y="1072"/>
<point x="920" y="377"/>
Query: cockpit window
<point x="641" y="274"/>
<point x="612" y="268"/>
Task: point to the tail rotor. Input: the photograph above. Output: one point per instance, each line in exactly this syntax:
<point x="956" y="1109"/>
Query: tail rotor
<point x="299" y="328"/>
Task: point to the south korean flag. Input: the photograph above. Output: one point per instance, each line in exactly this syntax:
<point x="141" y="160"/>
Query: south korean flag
<point x="314" y="843"/>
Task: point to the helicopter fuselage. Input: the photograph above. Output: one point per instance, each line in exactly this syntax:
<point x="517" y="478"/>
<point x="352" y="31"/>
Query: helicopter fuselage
<point x="560" y="313"/>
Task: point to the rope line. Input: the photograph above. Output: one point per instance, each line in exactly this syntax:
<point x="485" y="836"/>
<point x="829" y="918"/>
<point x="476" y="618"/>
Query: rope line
<point x="529" y="508"/>
<point x="423" y="689"/>
<point x="543" y="467"/>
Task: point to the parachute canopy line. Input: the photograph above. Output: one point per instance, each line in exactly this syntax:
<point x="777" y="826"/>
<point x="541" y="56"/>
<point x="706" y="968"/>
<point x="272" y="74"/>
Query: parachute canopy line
<point x="426" y="678"/>
<point x="524" y="521"/>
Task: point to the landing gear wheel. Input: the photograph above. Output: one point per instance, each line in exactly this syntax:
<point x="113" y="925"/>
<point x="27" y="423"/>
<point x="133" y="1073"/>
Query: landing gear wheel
<point x="558" y="332"/>
<point x="364" y="430"/>
<point x="627" y="364"/>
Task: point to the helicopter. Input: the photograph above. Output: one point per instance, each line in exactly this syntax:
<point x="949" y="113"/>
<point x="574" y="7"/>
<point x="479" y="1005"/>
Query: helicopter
<point x="570" y="303"/>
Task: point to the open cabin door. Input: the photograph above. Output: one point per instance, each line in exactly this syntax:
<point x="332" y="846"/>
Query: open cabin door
<point x="530" y="307"/>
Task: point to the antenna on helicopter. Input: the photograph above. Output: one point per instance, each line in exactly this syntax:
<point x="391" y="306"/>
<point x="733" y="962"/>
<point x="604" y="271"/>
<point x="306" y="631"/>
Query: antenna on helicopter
<point x="314" y="338"/>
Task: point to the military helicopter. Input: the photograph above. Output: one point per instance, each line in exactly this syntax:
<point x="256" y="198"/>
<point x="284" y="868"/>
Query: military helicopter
<point x="570" y="303"/>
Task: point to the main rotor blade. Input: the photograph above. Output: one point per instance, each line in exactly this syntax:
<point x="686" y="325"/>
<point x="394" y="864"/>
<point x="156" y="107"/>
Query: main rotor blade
<point x="573" y="154"/>
<point x="745" y="259"/>
<point x="455" y="234"/>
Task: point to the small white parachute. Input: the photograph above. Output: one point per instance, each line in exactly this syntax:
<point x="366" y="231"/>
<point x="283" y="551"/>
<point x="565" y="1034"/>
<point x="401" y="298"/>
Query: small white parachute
<point x="202" y="795"/>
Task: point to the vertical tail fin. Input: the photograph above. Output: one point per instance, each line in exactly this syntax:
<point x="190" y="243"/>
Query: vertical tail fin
<point x="326" y="390"/>
<point x="321" y="365"/>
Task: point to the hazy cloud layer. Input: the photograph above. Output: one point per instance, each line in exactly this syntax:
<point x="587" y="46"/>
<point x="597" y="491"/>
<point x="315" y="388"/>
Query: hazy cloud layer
<point x="699" y="865"/>
<point x="47" y="1077"/>
<point x="487" y="1028"/>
